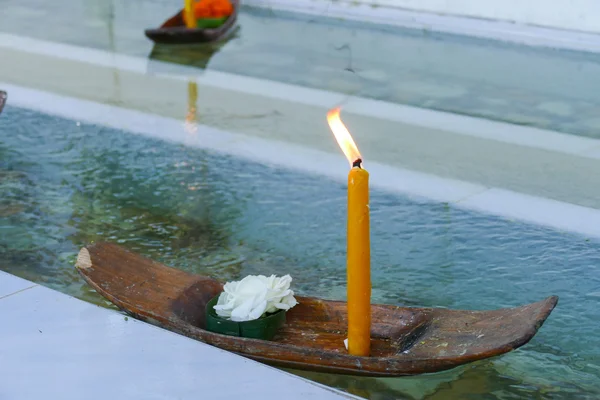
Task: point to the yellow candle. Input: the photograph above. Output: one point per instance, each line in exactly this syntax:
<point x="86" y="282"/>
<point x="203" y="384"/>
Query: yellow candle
<point x="188" y="14"/>
<point x="359" y="263"/>
<point x="358" y="257"/>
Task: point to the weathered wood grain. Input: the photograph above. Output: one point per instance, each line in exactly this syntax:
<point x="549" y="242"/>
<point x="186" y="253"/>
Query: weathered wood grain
<point x="405" y="341"/>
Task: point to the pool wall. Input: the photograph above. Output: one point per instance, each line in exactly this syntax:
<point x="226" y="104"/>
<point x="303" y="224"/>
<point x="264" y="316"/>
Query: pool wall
<point x="559" y="23"/>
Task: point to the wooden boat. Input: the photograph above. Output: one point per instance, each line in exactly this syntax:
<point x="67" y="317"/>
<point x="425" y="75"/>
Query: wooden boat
<point x="3" y="97"/>
<point x="174" y="31"/>
<point x="405" y="341"/>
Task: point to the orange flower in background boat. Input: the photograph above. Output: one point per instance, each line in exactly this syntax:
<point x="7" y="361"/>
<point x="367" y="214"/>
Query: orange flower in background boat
<point x="213" y="8"/>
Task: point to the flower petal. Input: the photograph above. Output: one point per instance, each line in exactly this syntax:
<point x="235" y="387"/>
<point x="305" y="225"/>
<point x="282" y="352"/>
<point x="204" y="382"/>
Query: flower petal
<point x="258" y="310"/>
<point x="254" y="296"/>
<point x="242" y="311"/>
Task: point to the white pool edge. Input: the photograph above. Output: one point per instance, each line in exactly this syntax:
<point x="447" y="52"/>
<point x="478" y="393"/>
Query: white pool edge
<point x="512" y="32"/>
<point x="495" y="201"/>
<point x="20" y="285"/>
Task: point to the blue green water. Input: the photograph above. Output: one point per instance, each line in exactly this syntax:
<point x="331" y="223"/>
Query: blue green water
<point x="64" y="184"/>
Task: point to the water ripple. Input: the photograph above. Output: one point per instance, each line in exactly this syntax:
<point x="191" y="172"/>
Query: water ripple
<point x="65" y="185"/>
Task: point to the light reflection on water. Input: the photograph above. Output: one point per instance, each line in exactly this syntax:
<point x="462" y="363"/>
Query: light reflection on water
<point x="64" y="185"/>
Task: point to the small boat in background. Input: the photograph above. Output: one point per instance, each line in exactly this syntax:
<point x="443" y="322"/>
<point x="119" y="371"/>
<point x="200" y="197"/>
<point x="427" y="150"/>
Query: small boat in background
<point x="175" y="31"/>
<point x="404" y="340"/>
<point x="3" y="97"/>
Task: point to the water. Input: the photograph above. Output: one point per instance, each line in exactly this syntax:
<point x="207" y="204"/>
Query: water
<point x="65" y="184"/>
<point x="536" y="87"/>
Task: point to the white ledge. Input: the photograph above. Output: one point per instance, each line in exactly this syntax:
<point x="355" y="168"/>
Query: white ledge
<point x="508" y="204"/>
<point x="74" y="350"/>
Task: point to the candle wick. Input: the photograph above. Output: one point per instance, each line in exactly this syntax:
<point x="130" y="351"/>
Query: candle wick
<point x="357" y="163"/>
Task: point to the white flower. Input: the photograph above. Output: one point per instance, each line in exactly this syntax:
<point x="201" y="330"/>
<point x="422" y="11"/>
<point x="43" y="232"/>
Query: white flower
<point x="254" y="296"/>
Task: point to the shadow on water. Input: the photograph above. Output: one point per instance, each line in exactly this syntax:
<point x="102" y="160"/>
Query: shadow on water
<point x="480" y="380"/>
<point x="198" y="55"/>
<point x="110" y="193"/>
<point x="131" y="207"/>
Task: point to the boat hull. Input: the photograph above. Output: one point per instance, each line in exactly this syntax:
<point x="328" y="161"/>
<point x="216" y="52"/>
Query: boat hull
<point x="405" y="340"/>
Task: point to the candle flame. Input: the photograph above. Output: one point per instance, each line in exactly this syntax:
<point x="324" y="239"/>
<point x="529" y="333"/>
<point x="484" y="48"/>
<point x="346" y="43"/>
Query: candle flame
<point x="342" y="136"/>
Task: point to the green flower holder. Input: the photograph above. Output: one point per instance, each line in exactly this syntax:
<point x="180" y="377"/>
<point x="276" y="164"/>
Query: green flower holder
<point x="210" y="23"/>
<point x="263" y="328"/>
